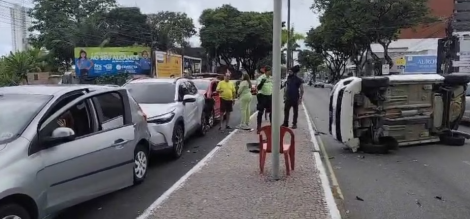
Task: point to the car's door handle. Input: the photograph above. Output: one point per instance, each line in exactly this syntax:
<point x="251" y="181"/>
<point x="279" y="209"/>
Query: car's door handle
<point x="119" y="142"/>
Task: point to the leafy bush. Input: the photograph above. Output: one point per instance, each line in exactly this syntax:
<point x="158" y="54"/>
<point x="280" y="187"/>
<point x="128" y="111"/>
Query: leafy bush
<point x="116" y="79"/>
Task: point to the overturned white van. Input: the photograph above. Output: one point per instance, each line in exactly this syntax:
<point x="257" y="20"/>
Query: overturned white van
<point x="381" y="113"/>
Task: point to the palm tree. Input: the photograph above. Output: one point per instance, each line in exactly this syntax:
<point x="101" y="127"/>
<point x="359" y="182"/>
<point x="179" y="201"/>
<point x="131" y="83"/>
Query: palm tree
<point x="294" y="38"/>
<point x="19" y="64"/>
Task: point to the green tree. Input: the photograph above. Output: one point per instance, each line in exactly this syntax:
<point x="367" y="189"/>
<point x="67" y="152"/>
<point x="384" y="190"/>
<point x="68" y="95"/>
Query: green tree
<point x="171" y="28"/>
<point x="228" y="33"/>
<point x="366" y="22"/>
<point x="218" y="32"/>
<point x="127" y="26"/>
<point x="293" y="43"/>
<point x="6" y="77"/>
<point x="328" y="43"/>
<point x="310" y="60"/>
<point x="65" y="24"/>
<point x="17" y="65"/>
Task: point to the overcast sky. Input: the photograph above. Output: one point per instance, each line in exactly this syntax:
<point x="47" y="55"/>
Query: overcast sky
<point x="301" y="16"/>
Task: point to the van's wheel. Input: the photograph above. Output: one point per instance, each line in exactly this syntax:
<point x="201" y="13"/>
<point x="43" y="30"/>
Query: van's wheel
<point x="457" y="79"/>
<point x="370" y="148"/>
<point x="452" y="139"/>
<point x="13" y="211"/>
<point x="178" y="141"/>
<point x="375" y="82"/>
<point x="141" y="161"/>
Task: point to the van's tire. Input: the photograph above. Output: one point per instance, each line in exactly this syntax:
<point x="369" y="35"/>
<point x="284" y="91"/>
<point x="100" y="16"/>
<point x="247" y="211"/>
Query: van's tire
<point x="11" y="209"/>
<point x="370" y="148"/>
<point x="141" y="156"/>
<point x="375" y="82"/>
<point x="457" y="79"/>
<point x="452" y="140"/>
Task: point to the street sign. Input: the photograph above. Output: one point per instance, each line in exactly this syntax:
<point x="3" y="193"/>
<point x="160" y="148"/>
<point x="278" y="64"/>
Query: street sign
<point x="400" y="61"/>
<point x="465" y="63"/>
<point x="385" y="69"/>
<point x="424" y="64"/>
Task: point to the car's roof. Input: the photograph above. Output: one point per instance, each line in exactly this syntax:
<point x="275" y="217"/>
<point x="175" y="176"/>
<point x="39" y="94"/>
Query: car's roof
<point x="154" y="80"/>
<point x="208" y="80"/>
<point x="53" y="89"/>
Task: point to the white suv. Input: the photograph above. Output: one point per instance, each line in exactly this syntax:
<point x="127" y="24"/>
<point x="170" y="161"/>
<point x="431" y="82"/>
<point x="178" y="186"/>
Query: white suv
<point x="174" y="111"/>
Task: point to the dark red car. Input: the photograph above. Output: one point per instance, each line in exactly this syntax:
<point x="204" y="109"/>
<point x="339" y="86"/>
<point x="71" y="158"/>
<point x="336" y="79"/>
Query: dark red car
<point x="207" y="87"/>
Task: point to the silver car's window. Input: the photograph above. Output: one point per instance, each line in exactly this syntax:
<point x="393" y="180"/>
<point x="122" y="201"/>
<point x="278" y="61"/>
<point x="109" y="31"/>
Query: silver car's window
<point x="191" y="87"/>
<point x="202" y="85"/>
<point x="112" y="108"/>
<point x="76" y="118"/>
<point x="152" y="93"/>
<point x="467" y="92"/>
<point x="17" y="111"/>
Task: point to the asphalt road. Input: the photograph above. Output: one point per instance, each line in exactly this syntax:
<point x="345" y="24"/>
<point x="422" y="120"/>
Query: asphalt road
<point x="129" y="203"/>
<point x="419" y="182"/>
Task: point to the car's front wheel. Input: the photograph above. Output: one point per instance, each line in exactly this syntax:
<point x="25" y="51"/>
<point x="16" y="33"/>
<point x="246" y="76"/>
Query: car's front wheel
<point x="204" y="127"/>
<point x="13" y="211"/>
<point x="211" y="119"/>
<point x="178" y="141"/>
<point x="140" y="163"/>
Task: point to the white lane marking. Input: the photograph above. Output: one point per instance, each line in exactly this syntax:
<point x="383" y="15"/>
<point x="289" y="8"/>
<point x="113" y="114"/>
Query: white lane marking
<point x="178" y="184"/>
<point x="330" y="200"/>
<point x="466" y="162"/>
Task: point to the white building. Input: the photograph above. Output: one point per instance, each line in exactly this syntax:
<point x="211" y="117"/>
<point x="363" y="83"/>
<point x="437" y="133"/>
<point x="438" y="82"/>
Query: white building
<point x="20" y="22"/>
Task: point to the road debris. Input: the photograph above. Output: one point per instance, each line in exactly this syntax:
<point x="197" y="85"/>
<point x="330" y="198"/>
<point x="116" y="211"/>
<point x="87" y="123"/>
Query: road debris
<point x="359" y="198"/>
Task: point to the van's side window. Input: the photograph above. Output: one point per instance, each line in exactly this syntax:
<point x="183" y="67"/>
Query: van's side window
<point x="112" y="110"/>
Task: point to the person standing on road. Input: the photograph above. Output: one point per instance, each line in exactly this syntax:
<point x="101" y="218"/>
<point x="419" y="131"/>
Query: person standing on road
<point x="265" y="91"/>
<point x="244" y="95"/>
<point x="293" y="94"/>
<point x="226" y="90"/>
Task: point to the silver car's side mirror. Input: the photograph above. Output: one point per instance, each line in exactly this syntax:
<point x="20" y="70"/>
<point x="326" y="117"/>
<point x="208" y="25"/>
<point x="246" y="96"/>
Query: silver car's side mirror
<point x="62" y="132"/>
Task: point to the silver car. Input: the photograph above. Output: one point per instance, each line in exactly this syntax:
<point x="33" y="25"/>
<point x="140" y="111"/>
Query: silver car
<point x="174" y="110"/>
<point x="63" y="145"/>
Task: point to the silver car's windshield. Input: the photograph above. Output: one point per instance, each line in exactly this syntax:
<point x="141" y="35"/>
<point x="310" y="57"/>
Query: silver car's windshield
<point x="467" y="93"/>
<point x="152" y="93"/>
<point x="17" y="111"/>
<point x="201" y="85"/>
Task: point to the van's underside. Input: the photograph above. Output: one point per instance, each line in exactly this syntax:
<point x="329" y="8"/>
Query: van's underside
<point x="398" y="110"/>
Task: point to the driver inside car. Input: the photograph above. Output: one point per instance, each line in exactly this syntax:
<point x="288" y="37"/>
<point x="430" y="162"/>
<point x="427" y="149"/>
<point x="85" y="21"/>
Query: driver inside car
<point x="66" y="120"/>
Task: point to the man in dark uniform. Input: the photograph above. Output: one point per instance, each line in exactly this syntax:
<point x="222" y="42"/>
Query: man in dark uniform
<point x="293" y="93"/>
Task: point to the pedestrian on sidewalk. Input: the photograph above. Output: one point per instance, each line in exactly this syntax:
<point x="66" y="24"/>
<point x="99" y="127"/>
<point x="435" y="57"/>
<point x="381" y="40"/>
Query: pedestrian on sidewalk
<point x="293" y="94"/>
<point x="227" y="93"/>
<point x="265" y="91"/>
<point x="244" y="95"/>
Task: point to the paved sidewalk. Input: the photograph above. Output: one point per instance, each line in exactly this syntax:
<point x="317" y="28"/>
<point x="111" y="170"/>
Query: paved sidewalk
<point x="229" y="185"/>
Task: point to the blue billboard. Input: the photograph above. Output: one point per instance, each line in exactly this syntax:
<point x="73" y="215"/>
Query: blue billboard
<point x="96" y="61"/>
<point x="425" y="64"/>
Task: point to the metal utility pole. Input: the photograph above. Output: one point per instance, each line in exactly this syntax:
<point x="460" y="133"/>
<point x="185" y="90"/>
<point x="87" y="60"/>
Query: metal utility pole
<point x="276" y="97"/>
<point x="288" y="37"/>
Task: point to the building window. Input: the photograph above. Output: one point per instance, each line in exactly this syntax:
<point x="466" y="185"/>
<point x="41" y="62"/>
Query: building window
<point x="36" y="77"/>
